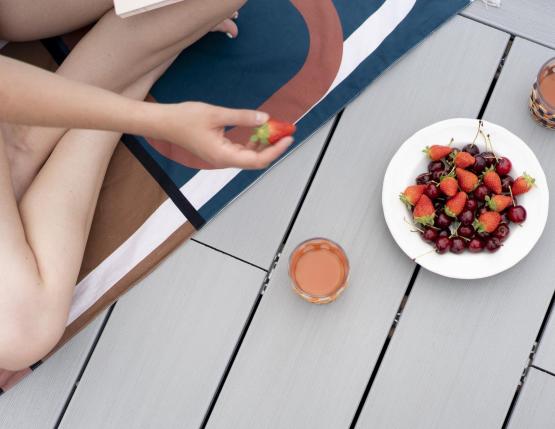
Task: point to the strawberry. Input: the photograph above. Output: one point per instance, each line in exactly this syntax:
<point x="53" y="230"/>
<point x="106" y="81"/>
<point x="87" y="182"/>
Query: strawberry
<point x="464" y="160"/>
<point x="492" y="180"/>
<point x="449" y="186"/>
<point x="436" y="152"/>
<point x="467" y="181"/>
<point x="424" y="212"/>
<point x="412" y="194"/>
<point x="454" y="206"/>
<point x="522" y="184"/>
<point x="498" y="203"/>
<point x="273" y="131"/>
<point x="487" y="222"/>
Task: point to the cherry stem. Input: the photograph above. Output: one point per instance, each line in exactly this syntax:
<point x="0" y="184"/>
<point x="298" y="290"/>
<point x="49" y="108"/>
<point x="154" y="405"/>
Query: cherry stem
<point x="424" y="254"/>
<point x="412" y="225"/>
<point x="480" y="123"/>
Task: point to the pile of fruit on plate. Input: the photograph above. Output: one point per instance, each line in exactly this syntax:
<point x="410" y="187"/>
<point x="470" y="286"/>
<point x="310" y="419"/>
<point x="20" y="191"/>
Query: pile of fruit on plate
<point x="467" y="199"/>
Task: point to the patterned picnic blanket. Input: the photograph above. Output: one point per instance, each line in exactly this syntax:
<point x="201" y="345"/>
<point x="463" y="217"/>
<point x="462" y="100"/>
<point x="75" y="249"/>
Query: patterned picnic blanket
<point x="299" y="60"/>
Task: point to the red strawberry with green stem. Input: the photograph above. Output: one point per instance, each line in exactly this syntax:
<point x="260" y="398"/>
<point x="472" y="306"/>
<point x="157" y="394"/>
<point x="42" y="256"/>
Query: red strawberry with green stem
<point x="424" y="211"/>
<point x="463" y="160"/>
<point x="449" y="186"/>
<point x="412" y="194"/>
<point x="492" y="180"/>
<point x="498" y="203"/>
<point x="487" y="222"/>
<point x="522" y="184"/>
<point x="454" y="206"/>
<point x="437" y="152"/>
<point x="467" y="181"/>
<point x="273" y="131"/>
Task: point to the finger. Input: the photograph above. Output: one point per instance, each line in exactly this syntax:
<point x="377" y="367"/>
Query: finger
<point x="235" y="15"/>
<point x="248" y="159"/>
<point x="228" y="27"/>
<point x="244" y="118"/>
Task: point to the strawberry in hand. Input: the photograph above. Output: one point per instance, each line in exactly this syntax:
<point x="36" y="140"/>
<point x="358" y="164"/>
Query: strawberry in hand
<point x="273" y="131"/>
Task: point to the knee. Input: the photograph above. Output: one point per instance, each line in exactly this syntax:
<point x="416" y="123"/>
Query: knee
<point x="13" y="25"/>
<point x="25" y="342"/>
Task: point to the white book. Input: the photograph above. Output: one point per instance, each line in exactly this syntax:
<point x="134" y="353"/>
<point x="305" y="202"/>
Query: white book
<point x="125" y="8"/>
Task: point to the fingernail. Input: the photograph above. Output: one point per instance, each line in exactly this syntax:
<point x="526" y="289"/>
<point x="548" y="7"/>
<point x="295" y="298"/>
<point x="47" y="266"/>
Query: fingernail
<point x="235" y="15"/>
<point x="261" y="118"/>
<point x="228" y="34"/>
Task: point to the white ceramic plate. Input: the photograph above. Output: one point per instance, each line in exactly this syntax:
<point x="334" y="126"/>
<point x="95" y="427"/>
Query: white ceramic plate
<point x="409" y="161"/>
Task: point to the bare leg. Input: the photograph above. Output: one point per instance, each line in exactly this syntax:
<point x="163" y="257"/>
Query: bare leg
<point x="44" y="239"/>
<point x="113" y="54"/>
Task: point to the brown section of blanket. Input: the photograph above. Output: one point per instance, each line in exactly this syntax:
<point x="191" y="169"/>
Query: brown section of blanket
<point x="128" y="197"/>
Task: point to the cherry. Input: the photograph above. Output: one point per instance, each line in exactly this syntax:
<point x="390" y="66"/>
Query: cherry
<point x="516" y="214"/>
<point x="430" y="235"/>
<point x="502" y="232"/>
<point x="476" y="245"/>
<point x="439" y="203"/>
<point x="457" y="245"/>
<point x="466" y="217"/>
<point x="423" y="178"/>
<point x="471" y="204"/>
<point x="443" y="221"/>
<point x="483" y="235"/>
<point x="481" y="192"/>
<point x="480" y="164"/>
<point x="482" y="210"/>
<point x="432" y="191"/>
<point x="471" y="148"/>
<point x="436" y="175"/>
<point x="443" y="244"/>
<point x="490" y="158"/>
<point x="506" y="183"/>
<point x="493" y="244"/>
<point x="466" y="231"/>
<point x="435" y="166"/>
<point x="444" y="233"/>
<point x="503" y="166"/>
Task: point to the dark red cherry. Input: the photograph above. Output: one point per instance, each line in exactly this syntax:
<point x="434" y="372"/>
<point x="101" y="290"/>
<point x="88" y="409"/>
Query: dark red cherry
<point x="466" y="217"/>
<point x="471" y="204"/>
<point x="430" y="235"/>
<point x="435" y="166"/>
<point x="481" y="192"/>
<point x="502" y="232"/>
<point x="506" y="183"/>
<point x="443" y="221"/>
<point x="466" y="231"/>
<point x="480" y="164"/>
<point x="457" y="245"/>
<point x="493" y="244"/>
<point x="503" y="166"/>
<point x="476" y="245"/>
<point x="423" y="178"/>
<point x="432" y="191"/>
<point x="516" y="214"/>
<point x="471" y="148"/>
<point x="443" y="244"/>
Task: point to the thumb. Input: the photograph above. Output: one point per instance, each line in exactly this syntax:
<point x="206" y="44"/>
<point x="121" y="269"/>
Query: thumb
<point x="238" y="117"/>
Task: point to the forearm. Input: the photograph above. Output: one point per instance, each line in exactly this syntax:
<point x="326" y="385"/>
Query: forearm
<point x="32" y="96"/>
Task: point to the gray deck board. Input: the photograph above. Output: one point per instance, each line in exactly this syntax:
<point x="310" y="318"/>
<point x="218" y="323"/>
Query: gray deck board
<point x="302" y="365"/>
<point x="534" y="408"/>
<point x="253" y="226"/>
<point x="545" y="355"/>
<point x="461" y="347"/>
<point x="38" y="400"/>
<point x="530" y="19"/>
<point x="167" y="343"/>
